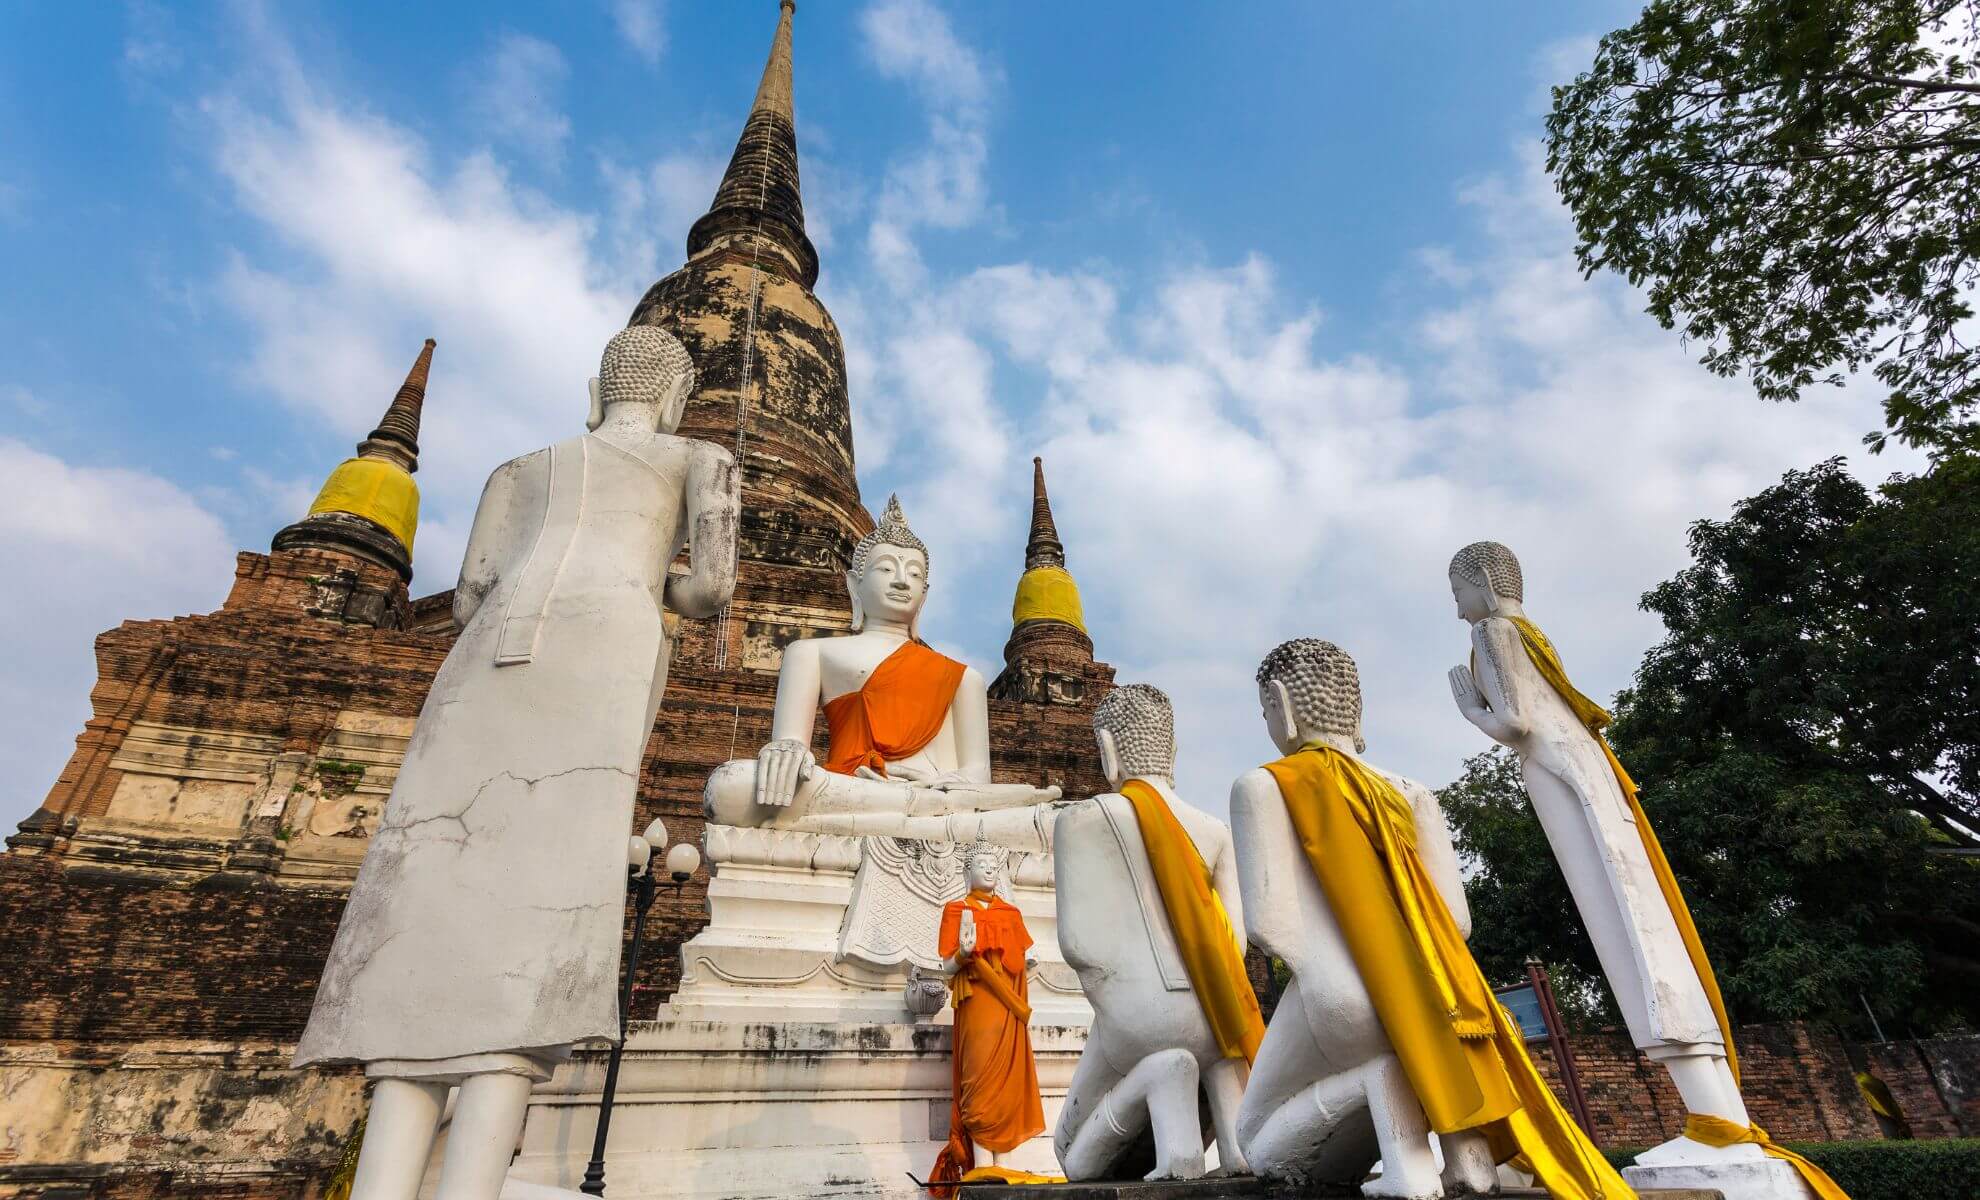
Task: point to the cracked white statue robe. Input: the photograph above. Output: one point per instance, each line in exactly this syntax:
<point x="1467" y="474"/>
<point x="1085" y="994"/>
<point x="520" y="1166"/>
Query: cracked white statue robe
<point x="487" y="915"/>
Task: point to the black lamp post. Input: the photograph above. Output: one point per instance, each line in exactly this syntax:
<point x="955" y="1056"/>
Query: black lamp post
<point x="680" y="863"/>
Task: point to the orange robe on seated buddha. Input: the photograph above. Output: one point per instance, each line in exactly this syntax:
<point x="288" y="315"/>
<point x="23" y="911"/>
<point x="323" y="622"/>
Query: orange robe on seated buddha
<point x="896" y="712"/>
<point x="996" y="1098"/>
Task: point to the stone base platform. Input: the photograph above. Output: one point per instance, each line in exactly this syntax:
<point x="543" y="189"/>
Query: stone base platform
<point x="763" y="1110"/>
<point x="1241" y="1188"/>
<point x="1755" y="1179"/>
<point x="1245" y="1188"/>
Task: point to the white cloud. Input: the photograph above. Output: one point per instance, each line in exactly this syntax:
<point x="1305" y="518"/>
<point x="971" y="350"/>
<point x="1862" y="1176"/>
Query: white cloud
<point x="650" y="209"/>
<point x="513" y="91"/>
<point x="912" y="40"/>
<point x="643" y="23"/>
<point x="88" y="547"/>
<point x="382" y="246"/>
<point x="940" y="184"/>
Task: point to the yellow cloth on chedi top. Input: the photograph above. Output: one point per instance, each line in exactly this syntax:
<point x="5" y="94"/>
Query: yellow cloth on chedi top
<point x="1464" y="1057"/>
<point x="1699" y="1127"/>
<point x="1210" y="953"/>
<point x="379" y="491"/>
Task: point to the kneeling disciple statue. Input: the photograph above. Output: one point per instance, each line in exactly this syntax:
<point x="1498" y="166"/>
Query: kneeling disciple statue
<point x="909" y="728"/>
<point x="1151" y="917"/>
<point x="1388" y="1030"/>
<point x="1517" y="692"/>
<point x="995" y="1105"/>
<point x="482" y="935"/>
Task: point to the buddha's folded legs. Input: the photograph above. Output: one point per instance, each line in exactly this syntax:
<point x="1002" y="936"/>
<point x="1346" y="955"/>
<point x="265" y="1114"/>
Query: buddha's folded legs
<point x="828" y="802"/>
<point x="1027" y="829"/>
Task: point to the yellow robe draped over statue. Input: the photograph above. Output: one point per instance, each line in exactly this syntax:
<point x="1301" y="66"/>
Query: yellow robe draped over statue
<point x="1699" y="1127"/>
<point x="1464" y="1057"/>
<point x="995" y="1099"/>
<point x="1211" y="956"/>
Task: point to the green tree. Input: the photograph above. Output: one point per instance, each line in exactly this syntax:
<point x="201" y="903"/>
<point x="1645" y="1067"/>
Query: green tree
<point x="1794" y="180"/>
<point x="1807" y="737"/>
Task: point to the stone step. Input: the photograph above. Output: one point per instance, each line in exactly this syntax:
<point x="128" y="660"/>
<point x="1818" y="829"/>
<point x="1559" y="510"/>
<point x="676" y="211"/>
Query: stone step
<point x="1243" y="1188"/>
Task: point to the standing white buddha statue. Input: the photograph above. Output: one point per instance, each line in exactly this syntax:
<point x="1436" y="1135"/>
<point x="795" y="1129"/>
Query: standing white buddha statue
<point x="1517" y="693"/>
<point x="482" y="934"/>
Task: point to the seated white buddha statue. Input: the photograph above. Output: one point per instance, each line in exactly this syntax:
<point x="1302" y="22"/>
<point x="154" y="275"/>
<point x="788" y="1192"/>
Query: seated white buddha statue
<point x="909" y="728"/>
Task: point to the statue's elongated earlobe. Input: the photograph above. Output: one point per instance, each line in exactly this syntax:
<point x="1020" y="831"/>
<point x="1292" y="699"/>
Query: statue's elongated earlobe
<point x="597" y="415"/>
<point x="859" y="612"/>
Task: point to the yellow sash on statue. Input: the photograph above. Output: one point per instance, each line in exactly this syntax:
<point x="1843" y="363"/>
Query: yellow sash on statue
<point x="1717" y="1131"/>
<point x="1210" y="953"/>
<point x="1597" y="718"/>
<point x="1464" y="1057"/>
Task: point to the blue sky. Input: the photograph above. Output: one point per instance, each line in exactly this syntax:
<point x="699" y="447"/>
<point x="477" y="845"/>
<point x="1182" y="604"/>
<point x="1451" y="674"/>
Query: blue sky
<point x="1278" y="290"/>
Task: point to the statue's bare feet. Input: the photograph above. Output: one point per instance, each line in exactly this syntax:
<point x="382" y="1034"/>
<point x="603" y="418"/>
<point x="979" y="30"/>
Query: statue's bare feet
<point x="1468" y="1165"/>
<point x="1178" y="1167"/>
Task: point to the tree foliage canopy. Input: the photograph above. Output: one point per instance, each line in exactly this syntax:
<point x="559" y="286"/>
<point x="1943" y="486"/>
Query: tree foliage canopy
<point x="1807" y="737"/>
<point x="1795" y="181"/>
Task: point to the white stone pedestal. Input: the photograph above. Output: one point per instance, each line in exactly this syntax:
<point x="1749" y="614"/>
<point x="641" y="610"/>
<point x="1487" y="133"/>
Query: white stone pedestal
<point x="1735" y="1172"/>
<point x="740" y="1110"/>
<point x="823" y="928"/>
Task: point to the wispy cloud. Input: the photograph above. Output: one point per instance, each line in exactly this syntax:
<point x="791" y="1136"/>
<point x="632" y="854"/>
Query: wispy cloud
<point x="514" y="92"/>
<point x="940" y="184"/>
<point x="102" y="545"/>
<point x="643" y="25"/>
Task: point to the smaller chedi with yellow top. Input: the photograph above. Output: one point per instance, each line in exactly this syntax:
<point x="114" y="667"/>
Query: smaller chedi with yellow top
<point x="370" y="505"/>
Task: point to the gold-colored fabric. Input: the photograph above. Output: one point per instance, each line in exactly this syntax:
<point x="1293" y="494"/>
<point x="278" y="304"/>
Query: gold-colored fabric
<point x="1048" y="594"/>
<point x="1464" y="1056"/>
<point x="1211" y="956"/>
<point x="376" y="490"/>
<point x="1007" y="1175"/>
<point x="346" y="1172"/>
<point x="1596" y="719"/>
<point x="1717" y="1131"/>
<point x="1877" y="1094"/>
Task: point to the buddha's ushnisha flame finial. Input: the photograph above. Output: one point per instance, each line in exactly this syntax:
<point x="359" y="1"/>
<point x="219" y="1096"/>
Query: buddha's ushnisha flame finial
<point x="397" y="436"/>
<point x="1043" y="548"/>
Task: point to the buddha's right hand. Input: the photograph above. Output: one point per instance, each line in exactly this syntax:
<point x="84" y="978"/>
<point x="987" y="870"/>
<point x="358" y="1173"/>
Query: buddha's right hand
<point x="780" y="767"/>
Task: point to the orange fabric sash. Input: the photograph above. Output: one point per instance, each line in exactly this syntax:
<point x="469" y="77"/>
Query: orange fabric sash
<point x="897" y="711"/>
<point x="1210" y="953"/>
<point x="995" y="1079"/>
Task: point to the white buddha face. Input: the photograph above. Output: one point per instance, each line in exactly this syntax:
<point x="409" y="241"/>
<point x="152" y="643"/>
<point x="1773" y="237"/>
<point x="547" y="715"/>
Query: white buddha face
<point x="1475" y="601"/>
<point x="894" y="584"/>
<point x="981" y="871"/>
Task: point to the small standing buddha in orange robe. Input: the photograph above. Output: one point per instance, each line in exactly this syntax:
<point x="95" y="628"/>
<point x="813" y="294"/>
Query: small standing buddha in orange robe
<point x="996" y="1106"/>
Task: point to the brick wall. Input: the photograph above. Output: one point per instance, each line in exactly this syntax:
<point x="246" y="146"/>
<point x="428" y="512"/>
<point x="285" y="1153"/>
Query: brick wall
<point x="1936" y="1082"/>
<point x="1797" y="1079"/>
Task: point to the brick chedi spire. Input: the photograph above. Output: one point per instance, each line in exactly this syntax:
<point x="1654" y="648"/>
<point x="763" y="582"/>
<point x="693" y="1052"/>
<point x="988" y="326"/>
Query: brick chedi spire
<point x="369" y="507"/>
<point x="1044" y="548"/>
<point x="770" y="384"/>
<point x="759" y="202"/>
<point x="1049" y="656"/>
<point x="397" y="437"/>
